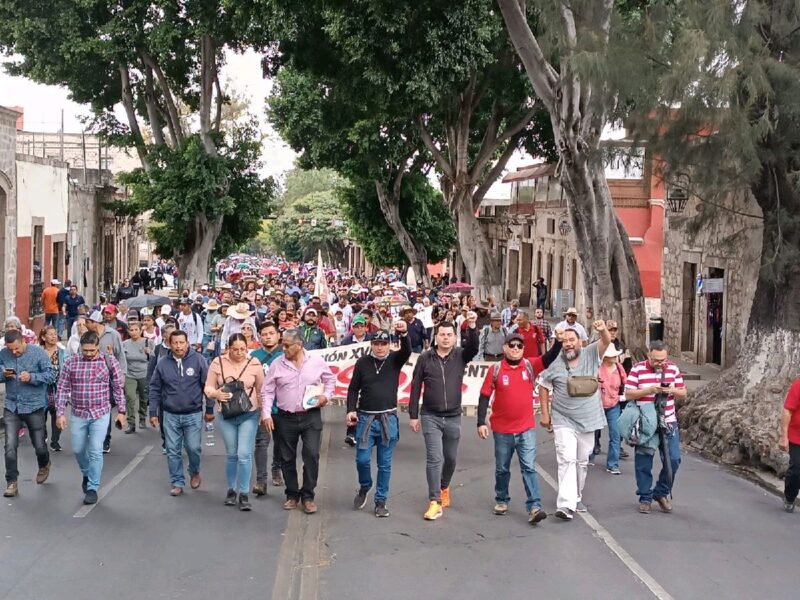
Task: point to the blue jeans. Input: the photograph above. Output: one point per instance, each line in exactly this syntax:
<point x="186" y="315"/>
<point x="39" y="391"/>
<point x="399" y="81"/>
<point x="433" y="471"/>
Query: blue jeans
<point x="384" y="452"/>
<point x="182" y="431"/>
<point x="644" y="468"/>
<point x="207" y="354"/>
<point x="239" y="435"/>
<point x="504" y="446"/>
<point x="87" y="437"/>
<point x="612" y="418"/>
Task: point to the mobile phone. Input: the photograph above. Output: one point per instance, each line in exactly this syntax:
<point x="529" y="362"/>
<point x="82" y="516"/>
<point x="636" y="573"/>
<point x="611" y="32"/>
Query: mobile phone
<point x="9" y="372"/>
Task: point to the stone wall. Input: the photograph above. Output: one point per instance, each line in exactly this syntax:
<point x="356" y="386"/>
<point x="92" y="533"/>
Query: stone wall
<point x="8" y="212"/>
<point x="730" y="241"/>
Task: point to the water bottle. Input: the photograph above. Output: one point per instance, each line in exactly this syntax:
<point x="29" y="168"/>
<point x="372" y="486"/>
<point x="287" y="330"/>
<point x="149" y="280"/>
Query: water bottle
<point x="209" y="434"/>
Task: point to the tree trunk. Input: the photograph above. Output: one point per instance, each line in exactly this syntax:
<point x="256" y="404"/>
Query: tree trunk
<point x="610" y="273"/>
<point x="484" y="272"/>
<point x="413" y="249"/>
<point x="195" y="261"/>
<point x="735" y="418"/>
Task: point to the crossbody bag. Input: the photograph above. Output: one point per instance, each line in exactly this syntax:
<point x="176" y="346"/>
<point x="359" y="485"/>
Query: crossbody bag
<point x="239" y="402"/>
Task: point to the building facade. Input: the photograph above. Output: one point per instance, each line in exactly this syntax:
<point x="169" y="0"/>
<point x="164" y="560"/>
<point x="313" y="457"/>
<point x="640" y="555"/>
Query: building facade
<point x="711" y="266"/>
<point x="532" y="235"/>
<point x="8" y="211"/>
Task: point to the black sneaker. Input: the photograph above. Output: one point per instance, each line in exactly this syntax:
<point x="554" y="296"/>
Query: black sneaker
<point x="788" y="506"/>
<point x="106" y="447"/>
<point x="84" y="484"/>
<point x="381" y="510"/>
<point x="350" y="440"/>
<point x="360" y="500"/>
<point x="55" y="446"/>
<point x="564" y="514"/>
<point x="597" y="451"/>
<point x="90" y="497"/>
<point x="230" y="498"/>
<point x="244" y="502"/>
<point x="131" y="428"/>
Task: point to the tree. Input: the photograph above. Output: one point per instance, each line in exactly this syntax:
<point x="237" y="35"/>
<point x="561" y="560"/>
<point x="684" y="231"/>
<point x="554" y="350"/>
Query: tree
<point x="579" y="81"/>
<point x="153" y="56"/>
<point x="440" y="72"/>
<point x="733" y="69"/>
<point x="312" y="221"/>
<point x="421" y="208"/>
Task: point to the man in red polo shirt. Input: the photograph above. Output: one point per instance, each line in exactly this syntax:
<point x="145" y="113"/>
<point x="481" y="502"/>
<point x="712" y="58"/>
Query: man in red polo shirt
<point x="531" y="335"/>
<point x="511" y="381"/>
<point x="790" y="441"/>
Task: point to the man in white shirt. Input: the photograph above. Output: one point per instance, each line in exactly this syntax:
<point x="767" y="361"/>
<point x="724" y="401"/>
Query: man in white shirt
<point x="571" y="322"/>
<point x="192" y="323"/>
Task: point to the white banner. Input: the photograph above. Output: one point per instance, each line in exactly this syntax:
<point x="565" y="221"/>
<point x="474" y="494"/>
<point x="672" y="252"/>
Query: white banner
<point x="342" y="361"/>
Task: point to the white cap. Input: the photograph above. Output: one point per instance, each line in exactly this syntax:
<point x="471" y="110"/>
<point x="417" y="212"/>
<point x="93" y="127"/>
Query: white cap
<point x="96" y="316"/>
<point x="166" y="309"/>
<point x="55" y="282"/>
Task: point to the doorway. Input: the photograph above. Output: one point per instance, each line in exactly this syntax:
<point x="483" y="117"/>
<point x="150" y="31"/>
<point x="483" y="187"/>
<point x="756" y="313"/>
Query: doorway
<point x="715" y="320"/>
<point x="688" y="307"/>
<point x="58" y="261"/>
<point x="525" y="275"/>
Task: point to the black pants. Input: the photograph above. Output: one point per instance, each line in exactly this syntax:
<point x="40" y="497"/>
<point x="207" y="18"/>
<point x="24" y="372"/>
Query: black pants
<point x="261" y="455"/>
<point x="792" y="478"/>
<point x="34" y="423"/>
<point x="55" y="434"/>
<point x="290" y="428"/>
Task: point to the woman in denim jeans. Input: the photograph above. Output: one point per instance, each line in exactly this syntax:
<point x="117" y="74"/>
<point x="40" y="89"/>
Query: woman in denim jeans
<point x="238" y="433"/>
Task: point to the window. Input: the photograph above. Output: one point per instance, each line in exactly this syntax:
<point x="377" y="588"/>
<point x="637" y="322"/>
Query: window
<point x="551" y="226"/>
<point x="36" y="309"/>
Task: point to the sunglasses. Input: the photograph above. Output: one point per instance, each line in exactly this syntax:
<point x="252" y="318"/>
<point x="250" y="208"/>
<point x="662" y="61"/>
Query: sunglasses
<point x="516" y="345"/>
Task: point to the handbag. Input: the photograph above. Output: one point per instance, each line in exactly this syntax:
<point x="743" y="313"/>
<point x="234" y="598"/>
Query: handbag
<point x="580" y="386"/>
<point x="239" y="402"/>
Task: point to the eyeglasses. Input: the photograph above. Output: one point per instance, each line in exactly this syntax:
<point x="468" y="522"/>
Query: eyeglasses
<point x="516" y="345"/>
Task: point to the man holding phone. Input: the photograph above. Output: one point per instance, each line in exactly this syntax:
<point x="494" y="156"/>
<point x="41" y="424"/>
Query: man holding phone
<point x="648" y="378"/>
<point x="27" y="372"/>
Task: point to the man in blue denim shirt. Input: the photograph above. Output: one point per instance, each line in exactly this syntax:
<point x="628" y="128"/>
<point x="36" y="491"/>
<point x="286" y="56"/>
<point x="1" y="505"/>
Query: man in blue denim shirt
<point x="27" y="372"/>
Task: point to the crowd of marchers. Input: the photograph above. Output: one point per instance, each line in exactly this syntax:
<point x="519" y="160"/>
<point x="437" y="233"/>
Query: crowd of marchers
<point x="238" y="355"/>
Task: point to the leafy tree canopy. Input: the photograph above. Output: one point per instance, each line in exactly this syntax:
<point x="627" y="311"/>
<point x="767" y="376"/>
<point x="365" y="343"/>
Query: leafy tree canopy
<point x="422" y="210"/>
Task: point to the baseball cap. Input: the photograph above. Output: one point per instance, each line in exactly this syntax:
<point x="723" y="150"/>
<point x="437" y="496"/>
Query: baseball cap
<point x="54" y="282"/>
<point x="166" y="309"/>
<point x="184" y="300"/>
<point x="109" y="308"/>
<point x="381" y="337"/>
<point x="514" y="336"/>
<point x="96" y="316"/>
<point x="360" y="319"/>
<point x="310" y="311"/>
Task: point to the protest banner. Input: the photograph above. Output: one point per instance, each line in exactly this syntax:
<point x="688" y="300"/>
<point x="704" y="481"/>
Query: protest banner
<point x="342" y="360"/>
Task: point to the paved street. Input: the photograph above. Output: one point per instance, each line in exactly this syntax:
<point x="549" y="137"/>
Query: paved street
<point x="728" y="538"/>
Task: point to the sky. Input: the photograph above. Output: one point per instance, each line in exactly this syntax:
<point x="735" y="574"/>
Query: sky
<point x="43" y="105"/>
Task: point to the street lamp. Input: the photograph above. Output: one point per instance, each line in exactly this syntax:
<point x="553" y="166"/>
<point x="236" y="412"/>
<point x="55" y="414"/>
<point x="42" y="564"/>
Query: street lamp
<point x="676" y="200"/>
<point x="564" y="227"/>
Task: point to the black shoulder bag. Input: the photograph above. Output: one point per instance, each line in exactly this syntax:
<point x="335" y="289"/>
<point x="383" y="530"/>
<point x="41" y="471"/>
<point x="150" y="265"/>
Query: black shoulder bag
<point x="239" y="402"/>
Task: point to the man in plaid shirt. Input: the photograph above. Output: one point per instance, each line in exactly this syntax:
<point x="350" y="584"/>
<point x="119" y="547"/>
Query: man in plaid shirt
<point x="87" y="381"/>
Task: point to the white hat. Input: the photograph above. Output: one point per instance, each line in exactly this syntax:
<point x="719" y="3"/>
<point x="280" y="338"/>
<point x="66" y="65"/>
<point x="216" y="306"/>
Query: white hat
<point x="96" y="316"/>
<point x="55" y="282"/>
<point x="611" y="351"/>
<point x="240" y="311"/>
<point x="166" y="310"/>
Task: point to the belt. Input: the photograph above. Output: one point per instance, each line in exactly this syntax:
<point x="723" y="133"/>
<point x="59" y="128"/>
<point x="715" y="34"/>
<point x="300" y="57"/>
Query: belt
<point x="288" y="412"/>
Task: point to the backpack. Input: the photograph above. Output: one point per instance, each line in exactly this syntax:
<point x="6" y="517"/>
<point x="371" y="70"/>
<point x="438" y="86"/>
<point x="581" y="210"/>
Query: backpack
<point x="496" y="371"/>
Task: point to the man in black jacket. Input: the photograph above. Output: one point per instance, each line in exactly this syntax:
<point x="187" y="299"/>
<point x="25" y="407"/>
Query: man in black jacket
<point x="372" y="410"/>
<point x="442" y="371"/>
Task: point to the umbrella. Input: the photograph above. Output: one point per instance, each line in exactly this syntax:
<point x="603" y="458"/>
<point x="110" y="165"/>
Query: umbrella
<point x="457" y="288"/>
<point x="146" y="301"/>
<point x="398" y="300"/>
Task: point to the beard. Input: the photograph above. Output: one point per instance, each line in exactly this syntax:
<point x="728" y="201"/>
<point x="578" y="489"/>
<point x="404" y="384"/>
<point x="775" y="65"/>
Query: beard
<point x="571" y="354"/>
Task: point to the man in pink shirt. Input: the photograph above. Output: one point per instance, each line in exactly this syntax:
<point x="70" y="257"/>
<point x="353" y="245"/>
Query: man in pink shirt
<point x="288" y="384"/>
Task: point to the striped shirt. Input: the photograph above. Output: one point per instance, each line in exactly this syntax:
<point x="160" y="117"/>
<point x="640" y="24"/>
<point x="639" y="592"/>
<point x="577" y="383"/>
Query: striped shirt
<point x="88" y="383"/>
<point x="643" y="376"/>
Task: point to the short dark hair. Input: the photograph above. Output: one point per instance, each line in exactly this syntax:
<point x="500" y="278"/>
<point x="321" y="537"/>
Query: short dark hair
<point x="13" y="336"/>
<point x="657" y="345"/>
<point x="448" y="325"/>
<point x="178" y="332"/>
<point x="266" y="324"/>
<point x="573" y="330"/>
<point x="90" y="337"/>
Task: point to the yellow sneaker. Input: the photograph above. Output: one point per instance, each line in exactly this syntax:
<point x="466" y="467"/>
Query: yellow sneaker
<point x="434" y="511"/>
<point x="445" y="497"/>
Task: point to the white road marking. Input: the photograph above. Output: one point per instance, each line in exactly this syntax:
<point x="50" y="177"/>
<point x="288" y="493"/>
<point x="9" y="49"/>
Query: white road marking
<point x="104" y="491"/>
<point x="638" y="570"/>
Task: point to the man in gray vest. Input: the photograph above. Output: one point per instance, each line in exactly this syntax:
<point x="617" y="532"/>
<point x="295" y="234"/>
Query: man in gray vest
<point x="492" y="338"/>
